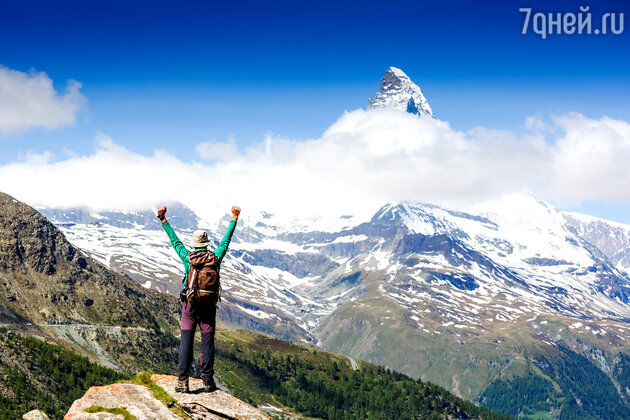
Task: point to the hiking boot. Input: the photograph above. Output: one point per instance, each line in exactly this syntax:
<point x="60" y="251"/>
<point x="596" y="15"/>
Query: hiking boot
<point x="182" y="386"/>
<point x="209" y="385"/>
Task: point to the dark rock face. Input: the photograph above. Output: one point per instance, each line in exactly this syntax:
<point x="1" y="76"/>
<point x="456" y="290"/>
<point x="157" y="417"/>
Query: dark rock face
<point x="30" y="243"/>
<point x="545" y="261"/>
<point x="48" y="280"/>
<point x="460" y="281"/>
<point x="350" y="280"/>
<point x="420" y="244"/>
<point x="301" y="264"/>
<point x="390" y="81"/>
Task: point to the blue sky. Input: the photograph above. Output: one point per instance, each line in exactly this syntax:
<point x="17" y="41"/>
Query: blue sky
<point x="169" y="75"/>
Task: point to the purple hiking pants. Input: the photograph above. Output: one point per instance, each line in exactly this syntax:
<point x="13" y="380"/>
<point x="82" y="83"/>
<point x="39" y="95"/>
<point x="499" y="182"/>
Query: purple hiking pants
<point x="204" y="315"/>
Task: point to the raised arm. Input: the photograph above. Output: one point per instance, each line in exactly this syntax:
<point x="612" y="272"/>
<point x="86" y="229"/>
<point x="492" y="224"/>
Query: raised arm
<point x="225" y="242"/>
<point x="175" y="241"/>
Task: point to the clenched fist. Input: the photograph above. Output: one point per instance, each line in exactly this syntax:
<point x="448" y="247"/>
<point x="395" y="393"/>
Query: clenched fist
<point x="235" y="212"/>
<point x="161" y="214"/>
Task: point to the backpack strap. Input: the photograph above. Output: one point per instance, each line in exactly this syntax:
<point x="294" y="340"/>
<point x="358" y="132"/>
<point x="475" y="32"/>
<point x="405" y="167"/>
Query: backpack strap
<point x="192" y="287"/>
<point x="218" y="292"/>
<point x="191" y="281"/>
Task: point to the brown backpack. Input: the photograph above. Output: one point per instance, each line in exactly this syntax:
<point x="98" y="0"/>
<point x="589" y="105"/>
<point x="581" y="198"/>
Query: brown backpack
<point x="204" y="284"/>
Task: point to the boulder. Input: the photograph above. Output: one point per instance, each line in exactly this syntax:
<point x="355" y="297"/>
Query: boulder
<point x="138" y="400"/>
<point x="35" y="415"/>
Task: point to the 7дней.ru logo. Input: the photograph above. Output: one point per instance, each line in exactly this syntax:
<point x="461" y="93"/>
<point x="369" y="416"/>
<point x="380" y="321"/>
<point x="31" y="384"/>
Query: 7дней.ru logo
<point x="553" y="23"/>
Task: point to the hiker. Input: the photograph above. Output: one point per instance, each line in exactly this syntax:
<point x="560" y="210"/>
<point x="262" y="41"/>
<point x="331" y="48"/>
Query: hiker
<point x="199" y="298"/>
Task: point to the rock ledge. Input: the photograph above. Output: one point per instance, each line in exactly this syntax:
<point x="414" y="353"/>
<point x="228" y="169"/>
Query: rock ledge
<point x="139" y="401"/>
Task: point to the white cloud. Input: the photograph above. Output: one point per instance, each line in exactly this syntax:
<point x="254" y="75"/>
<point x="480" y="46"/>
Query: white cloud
<point x="216" y="151"/>
<point x="32" y="158"/>
<point x="591" y="160"/>
<point x="29" y="100"/>
<point x="537" y="123"/>
<point x="363" y="160"/>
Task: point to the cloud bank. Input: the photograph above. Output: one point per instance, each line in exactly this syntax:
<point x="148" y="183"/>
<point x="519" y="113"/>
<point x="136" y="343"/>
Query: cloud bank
<point x="29" y="100"/>
<point x="366" y="158"/>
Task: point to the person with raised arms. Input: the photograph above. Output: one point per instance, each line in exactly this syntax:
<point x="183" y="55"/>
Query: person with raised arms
<point x="202" y="288"/>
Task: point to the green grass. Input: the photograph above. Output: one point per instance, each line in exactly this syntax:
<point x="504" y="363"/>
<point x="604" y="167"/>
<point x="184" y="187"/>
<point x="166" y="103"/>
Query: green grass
<point x="144" y="378"/>
<point x="541" y="415"/>
<point x="122" y="411"/>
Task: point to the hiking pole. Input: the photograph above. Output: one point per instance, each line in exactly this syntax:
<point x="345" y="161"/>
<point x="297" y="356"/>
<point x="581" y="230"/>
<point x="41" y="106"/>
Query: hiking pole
<point x="211" y="411"/>
<point x="188" y="411"/>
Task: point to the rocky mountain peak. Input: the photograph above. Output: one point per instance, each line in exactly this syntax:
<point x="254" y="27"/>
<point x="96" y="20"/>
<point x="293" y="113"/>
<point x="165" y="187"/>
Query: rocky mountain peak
<point x="28" y="242"/>
<point x="399" y="92"/>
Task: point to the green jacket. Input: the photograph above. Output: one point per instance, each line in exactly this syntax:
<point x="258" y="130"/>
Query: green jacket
<point x="184" y="254"/>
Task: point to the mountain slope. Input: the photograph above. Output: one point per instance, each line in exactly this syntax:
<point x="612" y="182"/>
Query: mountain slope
<point x="53" y="290"/>
<point x="319" y="384"/>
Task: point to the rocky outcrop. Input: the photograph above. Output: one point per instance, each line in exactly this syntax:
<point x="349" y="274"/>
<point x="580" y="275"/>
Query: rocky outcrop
<point x="107" y="402"/>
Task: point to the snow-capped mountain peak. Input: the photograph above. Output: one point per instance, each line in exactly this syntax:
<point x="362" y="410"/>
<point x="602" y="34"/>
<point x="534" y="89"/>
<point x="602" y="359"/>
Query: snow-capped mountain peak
<point x="399" y="92"/>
